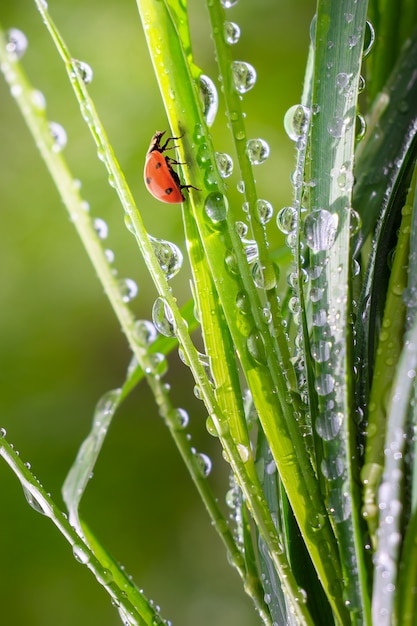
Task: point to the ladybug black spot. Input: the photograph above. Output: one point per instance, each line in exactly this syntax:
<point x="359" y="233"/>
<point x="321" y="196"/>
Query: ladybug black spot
<point x="168" y="191"/>
<point x="148" y="180"/>
<point x="158" y="165"/>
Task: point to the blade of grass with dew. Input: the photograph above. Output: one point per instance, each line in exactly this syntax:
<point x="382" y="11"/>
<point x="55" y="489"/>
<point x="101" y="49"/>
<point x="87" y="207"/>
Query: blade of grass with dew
<point x="289" y="451"/>
<point x="64" y="183"/>
<point x="141" y="613"/>
<point x="218" y="246"/>
<point x="338" y="53"/>
<point x="385" y="156"/>
<point x="389" y="348"/>
<point x="169" y="414"/>
<point x="391" y="489"/>
<point x="393" y="25"/>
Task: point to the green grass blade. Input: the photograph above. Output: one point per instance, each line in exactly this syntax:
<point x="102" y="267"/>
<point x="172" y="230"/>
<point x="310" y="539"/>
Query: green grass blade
<point x="338" y="54"/>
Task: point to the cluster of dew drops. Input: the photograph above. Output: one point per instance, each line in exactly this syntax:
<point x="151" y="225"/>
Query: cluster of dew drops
<point x="257" y="149"/>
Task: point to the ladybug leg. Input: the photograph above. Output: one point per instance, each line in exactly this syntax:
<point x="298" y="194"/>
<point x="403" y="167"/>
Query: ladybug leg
<point x="189" y="187"/>
<point x="165" y="146"/>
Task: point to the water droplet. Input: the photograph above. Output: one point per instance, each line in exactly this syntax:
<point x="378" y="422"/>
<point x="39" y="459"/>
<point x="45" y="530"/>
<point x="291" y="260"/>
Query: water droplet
<point x="101" y="228"/>
<point x="287" y="220"/>
<point x="157" y="364"/>
<point x="169" y="256"/>
<point x="109" y="254"/>
<point x="250" y="248"/>
<point x="231" y="33"/>
<point x="3" y="432"/>
<point x="163" y="318"/>
<point x="128" y="289"/>
<point x="84" y="70"/>
<point x="145" y="333"/>
<point x="16" y="43"/>
<point x="257" y="151"/>
<point x="224" y="163"/>
<point x="180" y="418"/>
<point x="241" y="228"/>
<point x="332" y="467"/>
<point x="369" y="38"/>
<point x="296" y="121"/>
<point x="204" y="463"/>
<point x="264" y="277"/>
<point x="210" y="99"/>
<point x="339" y="125"/>
<point x="320" y="351"/>
<point x="343" y="176"/>
<point x="324" y="384"/>
<point x="264" y="210"/>
<point x="38" y="99"/>
<point x="244" y="452"/>
<point x="241" y="186"/>
<point x="216" y="207"/>
<point x="59" y="136"/>
<point x="36" y="500"/>
<point x="80" y="553"/>
<point x="256" y="348"/>
<point x="320" y="228"/>
<point x="360" y="128"/>
<point x="227" y="4"/>
<point x="328" y="424"/>
<point x="244" y="76"/>
<point x="343" y="81"/>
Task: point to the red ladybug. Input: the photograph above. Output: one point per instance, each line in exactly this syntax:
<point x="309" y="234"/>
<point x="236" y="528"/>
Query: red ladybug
<point x="160" y="179"/>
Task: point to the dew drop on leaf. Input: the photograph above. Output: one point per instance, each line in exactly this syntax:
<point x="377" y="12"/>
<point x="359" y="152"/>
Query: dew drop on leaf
<point x="264" y="210"/>
<point x="324" y="384"/>
<point x="101" y="228"/>
<point x="204" y="463"/>
<point x="128" y="289"/>
<point x="145" y="333"/>
<point x="84" y="70"/>
<point x="287" y="220"/>
<point x="227" y="4"/>
<point x="296" y="121"/>
<point x="216" y="207"/>
<point x="180" y="419"/>
<point x="210" y="99"/>
<point x="320" y="228"/>
<point x="16" y="43"/>
<point x="163" y="318"/>
<point x="224" y="163"/>
<point x="244" y="76"/>
<point x="80" y="553"/>
<point x="257" y="151"/>
<point x="59" y="136"/>
<point x="256" y="348"/>
<point x="169" y="256"/>
<point x="231" y="33"/>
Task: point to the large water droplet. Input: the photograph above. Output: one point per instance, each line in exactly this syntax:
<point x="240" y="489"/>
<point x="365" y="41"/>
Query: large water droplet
<point x="224" y="163"/>
<point x="181" y="419"/>
<point x="231" y="33"/>
<point x="328" y="424"/>
<point x="36" y="500"/>
<point x="332" y="467"/>
<point x="320" y="351"/>
<point x="287" y="220"/>
<point x="59" y="136"/>
<point x="257" y="151"/>
<point x="145" y="333"/>
<point x="264" y="210"/>
<point x="320" y="228"/>
<point x="169" y="256"/>
<point x="81" y="554"/>
<point x="244" y="76"/>
<point x="163" y="318"/>
<point x="296" y="121"/>
<point x="369" y="39"/>
<point x="128" y="289"/>
<point x="210" y="99"/>
<point x="204" y="463"/>
<point x="256" y="348"/>
<point x="216" y="207"/>
<point x="84" y="70"/>
<point x="324" y="384"/>
<point x="16" y="43"/>
<point x="337" y="126"/>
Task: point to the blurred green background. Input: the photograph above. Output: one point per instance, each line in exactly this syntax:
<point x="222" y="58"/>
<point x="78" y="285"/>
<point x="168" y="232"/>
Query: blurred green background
<point x="61" y="347"/>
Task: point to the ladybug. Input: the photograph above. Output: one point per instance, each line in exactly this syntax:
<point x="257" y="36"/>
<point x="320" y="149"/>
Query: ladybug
<point x="160" y="179"/>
